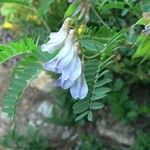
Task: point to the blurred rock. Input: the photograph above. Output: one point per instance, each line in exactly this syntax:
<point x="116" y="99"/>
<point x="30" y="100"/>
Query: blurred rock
<point x="44" y="82"/>
<point x="5" y="123"/>
<point x="66" y="134"/>
<point x="45" y="109"/>
<point x="117" y="132"/>
<point x="4" y="76"/>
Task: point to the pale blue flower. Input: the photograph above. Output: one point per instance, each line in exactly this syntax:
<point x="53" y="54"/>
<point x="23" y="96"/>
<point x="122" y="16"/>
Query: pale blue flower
<point x="57" y="38"/>
<point x="68" y="64"/>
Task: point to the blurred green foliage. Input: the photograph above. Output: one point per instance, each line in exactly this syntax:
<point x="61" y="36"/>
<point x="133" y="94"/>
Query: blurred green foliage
<point x="142" y="142"/>
<point x="31" y="140"/>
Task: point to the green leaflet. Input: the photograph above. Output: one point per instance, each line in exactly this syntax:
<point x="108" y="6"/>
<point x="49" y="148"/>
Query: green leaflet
<point x="71" y="9"/>
<point x="98" y="96"/>
<point x="90" y="116"/>
<point x="16" y="48"/>
<point x="81" y="116"/>
<point x="142" y="21"/>
<point x="23" y="2"/>
<point x="146" y="5"/>
<point x="118" y="84"/>
<point x="44" y="5"/>
<point x="103" y="82"/>
<point x="144" y="47"/>
<point x="92" y="44"/>
<point x="96" y="105"/>
<point x="80" y="107"/>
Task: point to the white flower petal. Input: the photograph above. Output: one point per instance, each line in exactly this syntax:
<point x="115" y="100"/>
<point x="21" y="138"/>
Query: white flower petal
<point x="56" y="38"/>
<point x="51" y="46"/>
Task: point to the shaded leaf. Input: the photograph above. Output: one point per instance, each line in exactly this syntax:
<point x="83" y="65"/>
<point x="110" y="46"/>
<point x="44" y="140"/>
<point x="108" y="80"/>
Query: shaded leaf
<point x="81" y="116"/>
<point x="96" y="105"/>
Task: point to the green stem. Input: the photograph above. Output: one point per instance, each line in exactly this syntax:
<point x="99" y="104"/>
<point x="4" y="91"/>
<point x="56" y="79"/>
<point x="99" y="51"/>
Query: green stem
<point x="91" y="57"/>
<point x="99" y="17"/>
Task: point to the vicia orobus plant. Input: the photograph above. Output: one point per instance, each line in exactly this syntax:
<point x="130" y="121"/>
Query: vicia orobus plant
<point x="78" y="54"/>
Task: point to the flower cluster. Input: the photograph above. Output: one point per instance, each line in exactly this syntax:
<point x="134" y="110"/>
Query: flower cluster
<point x="67" y="62"/>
